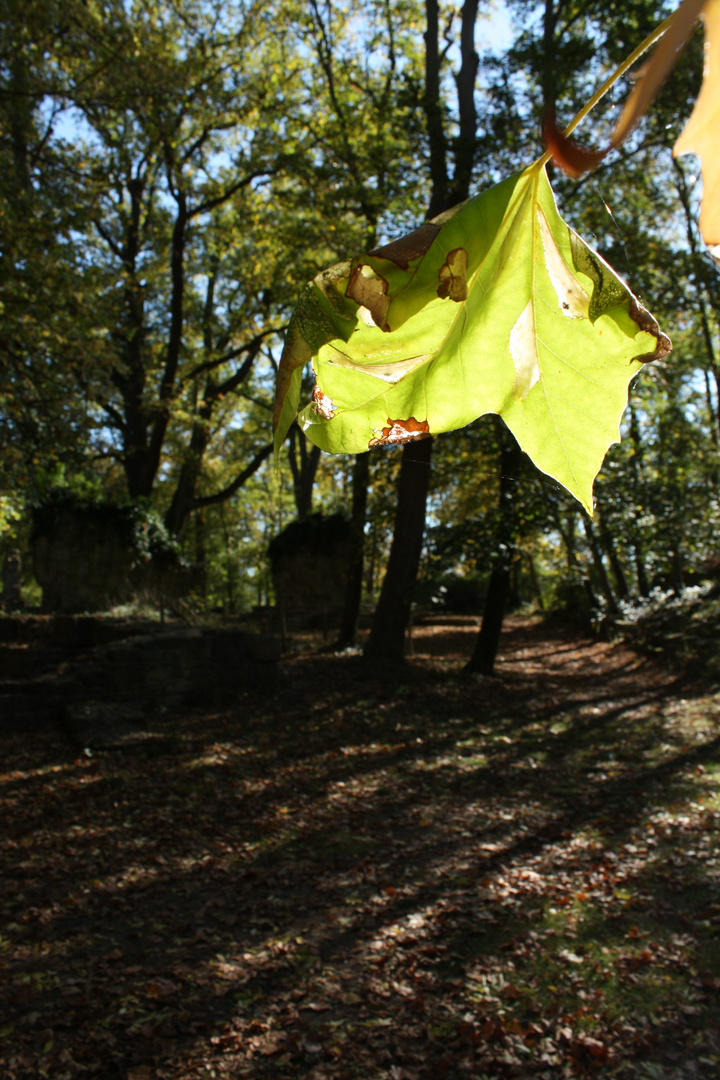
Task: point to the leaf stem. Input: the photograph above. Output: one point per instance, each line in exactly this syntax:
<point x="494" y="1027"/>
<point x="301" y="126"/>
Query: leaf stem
<point x="612" y="79"/>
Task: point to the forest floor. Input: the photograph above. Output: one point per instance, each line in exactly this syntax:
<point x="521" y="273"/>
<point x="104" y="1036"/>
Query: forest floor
<point x="361" y="874"/>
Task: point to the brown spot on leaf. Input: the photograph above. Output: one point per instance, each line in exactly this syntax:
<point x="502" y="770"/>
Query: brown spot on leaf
<point x="407" y="248"/>
<point x="402" y="431"/>
<point x="648" y="323"/>
<point x="453" y="276"/>
<point x="322" y="404"/>
<point x="369" y="290"/>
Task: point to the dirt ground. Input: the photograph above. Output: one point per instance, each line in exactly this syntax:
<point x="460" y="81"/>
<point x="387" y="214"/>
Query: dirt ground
<point x="359" y="874"/>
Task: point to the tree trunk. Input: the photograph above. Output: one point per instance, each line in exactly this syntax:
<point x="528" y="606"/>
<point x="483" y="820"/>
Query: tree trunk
<point x="353" y="589"/>
<point x="20" y="110"/>
<point x="482" y="660"/>
<point x="466" y="140"/>
<point x="567" y="533"/>
<point x="143" y="438"/>
<point x="638" y="467"/>
<point x="229" y="566"/>
<point x="433" y="112"/>
<point x="393" y="610"/>
<point x="535" y="582"/>
<point x="550" y="15"/>
<point x="600" y="566"/>
<point x="608" y="544"/>
<point x="129" y="374"/>
<point x="640" y="572"/>
<point x="370" y="579"/>
<point x="387" y="637"/>
<point x="678" y="582"/>
<point x="514" y="600"/>
<point x="183" y="500"/>
<point x="184" y="497"/>
<point x="200" y="552"/>
<point x="303" y="470"/>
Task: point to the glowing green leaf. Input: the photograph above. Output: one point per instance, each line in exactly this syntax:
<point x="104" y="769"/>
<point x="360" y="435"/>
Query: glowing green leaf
<point x="496" y="306"/>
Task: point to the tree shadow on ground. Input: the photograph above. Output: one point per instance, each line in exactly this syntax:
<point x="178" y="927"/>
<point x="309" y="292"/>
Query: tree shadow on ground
<point x="412" y="875"/>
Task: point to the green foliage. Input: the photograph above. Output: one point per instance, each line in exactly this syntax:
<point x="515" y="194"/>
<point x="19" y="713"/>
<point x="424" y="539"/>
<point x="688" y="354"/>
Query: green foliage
<point x="680" y="628"/>
<point x="139" y="525"/>
<point x="118" y="121"/>
<point x="10" y="513"/>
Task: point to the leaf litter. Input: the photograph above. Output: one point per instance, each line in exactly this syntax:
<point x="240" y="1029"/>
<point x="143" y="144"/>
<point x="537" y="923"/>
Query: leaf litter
<point x="409" y="876"/>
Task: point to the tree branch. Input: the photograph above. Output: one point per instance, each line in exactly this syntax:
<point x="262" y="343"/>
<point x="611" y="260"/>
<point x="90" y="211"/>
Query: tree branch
<point x="114" y="415"/>
<point x="253" y="345"/>
<point x="238" y="482"/>
<point x="433" y="112"/>
<point x="218" y="200"/>
<point x="172" y="357"/>
<point x="116" y="250"/>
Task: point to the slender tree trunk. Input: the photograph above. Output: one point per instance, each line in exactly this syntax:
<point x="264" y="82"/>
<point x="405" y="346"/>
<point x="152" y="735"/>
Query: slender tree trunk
<point x="535" y="581"/>
<point x="465" y="143"/>
<point x="370" y="580"/>
<point x="183" y="499"/>
<point x="637" y="465"/>
<point x="130" y="376"/>
<point x="353" y="589"/>
<point x="677" y="569"/>
<point x="483" y="657"/>
<point x="229" y="569"/>
<point x="567" y="533"/>
<point x="387" y="636"/>
<point x="152" y="450"/>
<point x="711" y="408"/>
<point x="482" y="660"/>
<point x="20" y="111"/>
<point x="599" y="565"/>
<point x="641" y="572"/>
<point x="608" y="544"/>
<point x="200" y="559"/>
<point x="514" y="600"/>
<point x="393" y="610"/>
<point x="550" y="15"/>
<point x="433" y="112"/>
<point x="303" y="466"/>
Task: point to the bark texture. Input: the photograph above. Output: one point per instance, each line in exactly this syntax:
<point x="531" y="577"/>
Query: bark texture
<point x="482" y="660"/>
<point x="387" y="636"/>
<point x="353" y="589"/>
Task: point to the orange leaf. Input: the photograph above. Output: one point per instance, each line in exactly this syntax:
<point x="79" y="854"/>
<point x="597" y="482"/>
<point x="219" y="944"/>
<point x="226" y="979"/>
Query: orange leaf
<point x="658" y="68"/>
<point x="700" y="135"/>
<point x="567" y="154"/>
<point x="575" y="159"/>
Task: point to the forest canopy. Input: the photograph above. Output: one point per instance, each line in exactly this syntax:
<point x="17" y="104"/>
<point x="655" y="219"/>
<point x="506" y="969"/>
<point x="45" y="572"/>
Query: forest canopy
<point x="173" y="172"/>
